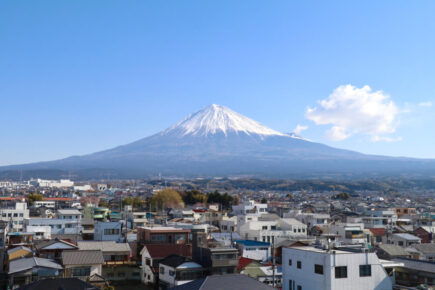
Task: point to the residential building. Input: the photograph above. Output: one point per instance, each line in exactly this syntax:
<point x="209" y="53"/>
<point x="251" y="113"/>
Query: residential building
<point x="254" y="227"/>
<point x="41" y="232"/>
<point x="27" y="270"/>
<point x="19" y="252"/>
<point x="255" y="250"/>
<point x="108" y="231"/>
<point x="349" y="233"/>
<point x="422" y="252"/>
<point x="117" y="259"/>
<point x="233" y="282"/>
<point x="162" y="235"/>
<point x="314" y="268"/>
<point x="177" y="270"/>
<point x="249" y="207"/>
<point x="58" y="226"/>
<point x="69" y="214"/>
<point x="15" y="215"/>
<point x="415" y="272"/>
<point x="401" y="239"/>
<point x="53" y="249"/>
<point x="152" y="254"/>
<point x="82" y="264"/>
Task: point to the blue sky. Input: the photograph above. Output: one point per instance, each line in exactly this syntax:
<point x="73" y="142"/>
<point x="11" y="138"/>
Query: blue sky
<point x="81" y="76"/>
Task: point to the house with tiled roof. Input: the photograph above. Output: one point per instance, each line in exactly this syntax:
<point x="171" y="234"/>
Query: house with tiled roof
<point x="82" y="264"/>
<point x="152" y="254"/>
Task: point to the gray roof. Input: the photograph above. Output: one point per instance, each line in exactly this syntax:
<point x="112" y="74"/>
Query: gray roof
<point x="224" y="282"/>
<point x="418" y="265"/>
<point x="108" y="246"/>
<point x="394" y="250"/>
<point x="408" y="237"/>
<point x="82" y="257"/>
<point x="425" y="248"/>
<point x="24" y="264"/>
<point x="68" y="211"/>
<point x="44" y="244"/>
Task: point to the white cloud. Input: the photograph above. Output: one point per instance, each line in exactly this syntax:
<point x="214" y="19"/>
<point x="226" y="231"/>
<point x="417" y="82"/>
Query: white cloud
<point x="386" y="139"/>
<point x="299" y="129"/>
<point x="425" y="104"/>
<point x="351" y="110"/>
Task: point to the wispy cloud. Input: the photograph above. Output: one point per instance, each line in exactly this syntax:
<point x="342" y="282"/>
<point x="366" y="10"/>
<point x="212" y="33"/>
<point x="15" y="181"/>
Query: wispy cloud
<point x="351" y="110"/>
<point x="425" y="104"/>
<point x="299" y="129"/>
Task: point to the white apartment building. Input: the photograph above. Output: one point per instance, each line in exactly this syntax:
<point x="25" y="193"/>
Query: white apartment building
<point x="69" y="214"/>
<point x="15" y="216"/>
<point x="252" y="227"/>
<point x="51" y="183"/>
<point x="310" y="219"/>
<point x="57" y="226"/>
<point x="249" y="207"/>
<point x="306" y="268"/>
<point x="41" y="232"/>
<point x="44" y="203"/>
<point x="228" y="224"/>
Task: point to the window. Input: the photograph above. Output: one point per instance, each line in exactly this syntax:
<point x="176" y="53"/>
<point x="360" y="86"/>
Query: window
<point x="273" y="227"/>
<point x="290" y="262"/>
<point x="299" y="265"/>
<point x="318" y="269"/>
<point x="299" y="230"/>
<point x="158" y="238"/>
<point x="148" y="261"/>
<point x="171" y="273"/>
<point x="290" y="284"/>
<point x="162" y="270"/>
<point x="3" y="214"/>
<point x="111" y="231"/>
<point x="15" y="214"/>
<point x="299" y="287"/>
<point x="400" y="243"/>
<point x="21" y="215"/>
<point x="264" y="227"/>
<point x="81" y="271"/>
<point x="340" y="272"/>
<point x="365" y="270"/>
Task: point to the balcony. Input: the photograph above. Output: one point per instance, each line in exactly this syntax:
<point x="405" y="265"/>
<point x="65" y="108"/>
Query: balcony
<point x="119" y="263"/>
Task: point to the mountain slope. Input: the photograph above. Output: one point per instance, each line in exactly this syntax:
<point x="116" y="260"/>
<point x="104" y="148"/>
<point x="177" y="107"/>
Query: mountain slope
<point x="219" y="141"/>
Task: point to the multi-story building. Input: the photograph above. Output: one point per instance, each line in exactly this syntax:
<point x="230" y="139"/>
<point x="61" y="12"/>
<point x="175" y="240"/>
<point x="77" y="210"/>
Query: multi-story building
<point x="250" y="207"/>
<point x="349" y="233"/>
<point x="253" y="227"/>
<point x="15" y="215"/>
<point x="57" y="226"/>
<point x="313" y="268"/>
<point x="177" y="270"/>
<point x="107" y="231"/>
<point x="162" y="235"/>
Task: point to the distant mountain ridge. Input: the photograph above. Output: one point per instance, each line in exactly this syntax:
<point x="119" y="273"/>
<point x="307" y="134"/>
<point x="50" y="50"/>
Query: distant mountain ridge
<point x="217" y="141"/>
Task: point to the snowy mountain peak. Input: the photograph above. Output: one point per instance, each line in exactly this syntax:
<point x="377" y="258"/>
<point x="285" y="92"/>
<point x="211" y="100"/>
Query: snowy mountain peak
<point x="219" y="119"/>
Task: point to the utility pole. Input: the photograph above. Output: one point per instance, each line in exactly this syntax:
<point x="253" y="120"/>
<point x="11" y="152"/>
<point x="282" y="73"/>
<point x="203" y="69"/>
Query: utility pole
<point x="273" y="261"/>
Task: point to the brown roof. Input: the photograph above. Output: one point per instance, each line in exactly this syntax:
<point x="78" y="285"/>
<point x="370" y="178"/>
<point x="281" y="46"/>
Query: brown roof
<point x="82" y="257"/>
<point x="378" y="231"/>
<point x="163" y="250"/>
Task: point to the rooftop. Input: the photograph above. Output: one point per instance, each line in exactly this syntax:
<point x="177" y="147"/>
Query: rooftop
<point x="82" y="257"/>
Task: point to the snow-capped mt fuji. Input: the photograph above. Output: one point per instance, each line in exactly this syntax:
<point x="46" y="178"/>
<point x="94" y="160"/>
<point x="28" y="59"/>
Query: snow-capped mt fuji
<point x="218" y="141"/>
<point x="216" y="119"/>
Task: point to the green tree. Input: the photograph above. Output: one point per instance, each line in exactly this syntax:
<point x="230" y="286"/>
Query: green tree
<point x="32" y="197"/>
<point x="167" y="198"/>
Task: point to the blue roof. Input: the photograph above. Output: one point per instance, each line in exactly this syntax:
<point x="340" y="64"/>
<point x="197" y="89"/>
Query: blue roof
<point x="252" y="243"/>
